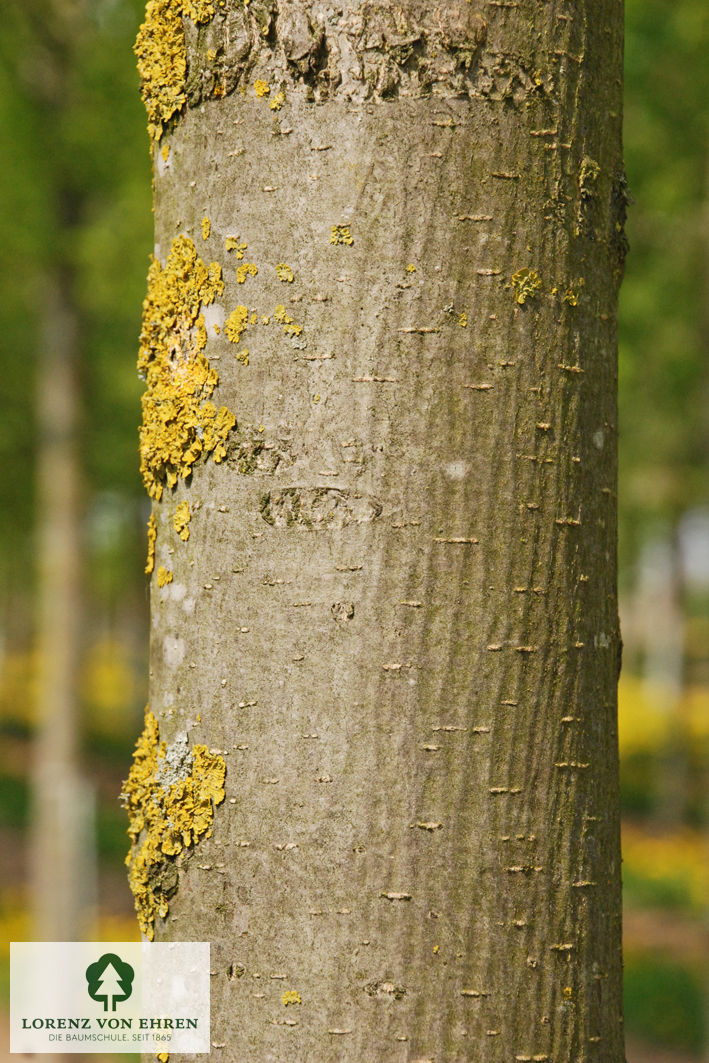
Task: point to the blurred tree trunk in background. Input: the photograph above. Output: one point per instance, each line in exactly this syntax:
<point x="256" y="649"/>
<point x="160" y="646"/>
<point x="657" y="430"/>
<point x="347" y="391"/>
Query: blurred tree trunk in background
<point x="388" y="606"/>
<point x="660" y="611"/>
<point x="704" y="334"/>
<point x="60" y="810"/>
<point x="61" y="868"/>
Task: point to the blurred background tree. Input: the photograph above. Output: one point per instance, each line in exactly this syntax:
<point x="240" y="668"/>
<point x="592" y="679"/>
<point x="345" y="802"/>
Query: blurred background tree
<point x="664" y="511"/>
<point x="75" y="187"/>
<point x="75" y="190"/>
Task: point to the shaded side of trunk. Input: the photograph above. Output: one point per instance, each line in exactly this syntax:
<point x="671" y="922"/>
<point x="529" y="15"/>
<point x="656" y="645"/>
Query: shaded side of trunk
<point x="394" y="614"/>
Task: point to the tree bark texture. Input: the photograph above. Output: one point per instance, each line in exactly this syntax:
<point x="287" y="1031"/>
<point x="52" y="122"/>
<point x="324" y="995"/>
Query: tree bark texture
<point x="393" y="614"/>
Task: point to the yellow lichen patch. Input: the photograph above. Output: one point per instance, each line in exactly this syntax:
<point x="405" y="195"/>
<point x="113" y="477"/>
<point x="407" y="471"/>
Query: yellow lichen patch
<point x="233" y="243"/>
<point x="165" y="152"/>
<point x="152" y="537"/>
<point x="162" y="63"/>
<point x="411" y="268"/>
<point x="572" y="293"/>
<point x="162" y="1057"/>
<point x="211" y="54"/>
<point x="198" y="10"/>
<point x="182" y="519"/>
<point x="200" y="333"/>
<point x="463" y="320"/>
<point x="237" y="323"/>
<point x="285" y="273"/>
<point x="283" y="318"/>
<point x="164" y="576"/>
<point x="162" y="59"/>
<point x="206" y="228"/>
<point x="170" y="796"/>
<point x="261" y="87"/>
<point x="277" y="102"/>
<point x="246" y="269"/>
<point x="291" y="996"/>
<point x="340" y="234"/>
<point x="526" y="283"/>
<point x="216" y="426"/>
<point x="179" y="424"/>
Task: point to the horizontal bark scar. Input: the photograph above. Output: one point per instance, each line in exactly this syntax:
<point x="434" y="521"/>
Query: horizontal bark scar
<point x="317" y="507"/>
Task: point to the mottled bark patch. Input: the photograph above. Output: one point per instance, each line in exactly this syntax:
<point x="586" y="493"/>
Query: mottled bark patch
<point x="385" y="990"/>
<point x="589" y="173"/>
<point x="363" y="50"/>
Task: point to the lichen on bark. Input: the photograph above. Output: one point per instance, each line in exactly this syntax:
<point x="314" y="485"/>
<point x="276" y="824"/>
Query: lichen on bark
<point x="170" y="795"/>
<point x="181" y="520"/>
<point x="162" y="63"/>
<point x="162" y="58"/>
<point x="152" y="539"/>
<point x="179" y="422"/>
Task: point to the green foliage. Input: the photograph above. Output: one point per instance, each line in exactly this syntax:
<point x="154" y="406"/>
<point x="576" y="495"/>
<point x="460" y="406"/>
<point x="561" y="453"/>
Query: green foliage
<point x="111" y="835"/>
<point x="664" y="1002"/>
<point x="657" y="731"/>
<point x="663" y="365"/>
<point x="75" y="185"/>
<point x="669" y="893"/>
<point x="14" y="801"/>
<point x="639" y="794"/>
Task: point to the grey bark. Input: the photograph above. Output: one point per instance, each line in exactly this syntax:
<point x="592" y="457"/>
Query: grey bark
<point x="396" y="612"/>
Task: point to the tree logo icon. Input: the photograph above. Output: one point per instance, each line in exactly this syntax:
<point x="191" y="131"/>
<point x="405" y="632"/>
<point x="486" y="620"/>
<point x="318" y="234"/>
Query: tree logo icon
<point x="110" y="979"/>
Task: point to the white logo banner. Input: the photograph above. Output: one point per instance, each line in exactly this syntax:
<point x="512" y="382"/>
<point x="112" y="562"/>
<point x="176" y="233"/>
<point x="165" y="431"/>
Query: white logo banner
<point x="109" y="997"/>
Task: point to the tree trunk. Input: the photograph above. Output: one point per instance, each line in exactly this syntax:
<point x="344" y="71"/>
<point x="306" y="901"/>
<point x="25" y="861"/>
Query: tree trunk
<point x="60" y="796"/>
<point x="392" y="614"/>
<point x="62" y="800"/>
